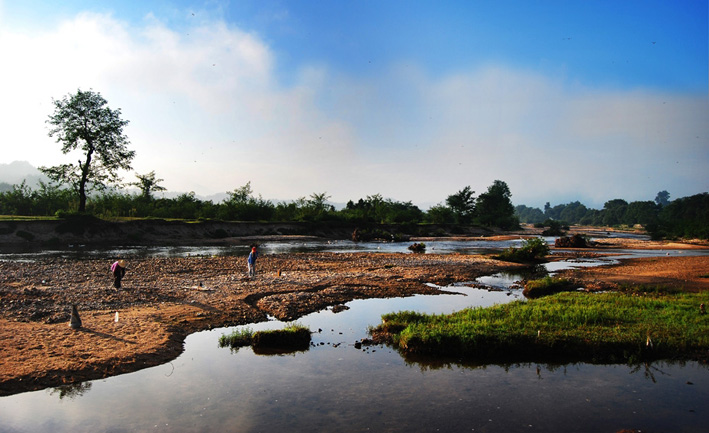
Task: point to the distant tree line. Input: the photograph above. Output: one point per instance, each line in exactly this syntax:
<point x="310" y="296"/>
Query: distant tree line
<point x="84" y="122"/>
<point x="491" y="209"/>
<point x="686" y="217"/>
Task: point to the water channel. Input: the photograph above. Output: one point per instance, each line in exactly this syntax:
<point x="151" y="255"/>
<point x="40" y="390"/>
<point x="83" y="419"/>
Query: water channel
<point x="335" y="386"/>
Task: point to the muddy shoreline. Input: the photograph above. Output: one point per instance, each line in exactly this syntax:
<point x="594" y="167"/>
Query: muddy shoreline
<point x="165" y="299"/>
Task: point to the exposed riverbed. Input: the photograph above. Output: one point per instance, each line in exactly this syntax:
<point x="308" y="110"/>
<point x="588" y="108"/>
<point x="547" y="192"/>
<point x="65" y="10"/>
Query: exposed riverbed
<point x="333" y="385"/>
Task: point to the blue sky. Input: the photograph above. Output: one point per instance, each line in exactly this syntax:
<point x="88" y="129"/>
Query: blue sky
<point x="413" y="100"/>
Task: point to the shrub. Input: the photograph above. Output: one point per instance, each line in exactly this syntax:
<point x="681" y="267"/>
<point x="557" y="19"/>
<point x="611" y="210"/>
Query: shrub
<point x="575" y="241"/>
<point x="418" y="247"/>
<point x="556" y="228"/>
<point x="533" y="250"/>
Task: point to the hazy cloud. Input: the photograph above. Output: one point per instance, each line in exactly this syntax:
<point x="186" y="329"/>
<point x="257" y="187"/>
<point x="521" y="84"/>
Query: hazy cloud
<point x="208" y="113"/>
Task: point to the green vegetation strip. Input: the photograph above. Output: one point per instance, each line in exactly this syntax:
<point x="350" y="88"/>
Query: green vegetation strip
<point x="293" y="335"/>
<point x="570" y="326"/>
<point x="547" y="286"/>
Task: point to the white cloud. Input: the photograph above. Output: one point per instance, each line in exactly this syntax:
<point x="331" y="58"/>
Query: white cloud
<point x="209" y="114"/>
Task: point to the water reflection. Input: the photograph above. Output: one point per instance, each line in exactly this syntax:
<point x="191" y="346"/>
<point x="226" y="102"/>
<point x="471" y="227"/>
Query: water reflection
<point x="71" y="391"/>
<point x="338" y="385"/>
<point x="475" y="246"/>
<point x="335" y="386"/>
<point x="266" y="247"/>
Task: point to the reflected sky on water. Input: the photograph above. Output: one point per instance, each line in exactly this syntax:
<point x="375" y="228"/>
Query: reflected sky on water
<point x="265" y="247"/>
<point x="334" y="386"/>
<point x="470" y="246"/>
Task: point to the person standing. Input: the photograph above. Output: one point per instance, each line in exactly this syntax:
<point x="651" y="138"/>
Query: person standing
<point x="251" y="262"/>
<point x="118" y="269"/>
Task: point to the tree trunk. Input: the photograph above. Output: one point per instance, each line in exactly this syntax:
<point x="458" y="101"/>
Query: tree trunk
<point x="84" y="178"/>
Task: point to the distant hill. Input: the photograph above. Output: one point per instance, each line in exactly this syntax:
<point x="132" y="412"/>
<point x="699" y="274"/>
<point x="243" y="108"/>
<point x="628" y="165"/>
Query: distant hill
<point x="17" y="171"/>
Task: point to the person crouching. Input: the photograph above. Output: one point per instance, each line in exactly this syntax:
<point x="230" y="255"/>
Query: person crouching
<point x="119" y="271"/>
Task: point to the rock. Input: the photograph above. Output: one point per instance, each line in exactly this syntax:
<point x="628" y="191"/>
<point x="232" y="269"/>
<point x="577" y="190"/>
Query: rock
<point x="75" y="321"/>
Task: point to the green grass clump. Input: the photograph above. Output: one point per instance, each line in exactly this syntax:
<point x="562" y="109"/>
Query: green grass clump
<point x="547" y="286"/>
<point x="533" y="250"/>
<point x="25" y="218"/>
<point x="238" y="338"/>
<point x="293" y="336"/>
<point x="649" y="289"/>
<point x="570" y="326"/>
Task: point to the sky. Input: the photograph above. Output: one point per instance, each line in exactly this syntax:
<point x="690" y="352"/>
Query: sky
<point x="412" y="100"/>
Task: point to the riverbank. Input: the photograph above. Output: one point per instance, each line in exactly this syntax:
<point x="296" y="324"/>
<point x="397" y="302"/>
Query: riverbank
<point x="165" y="299"/>
<point x="637" y="324"/>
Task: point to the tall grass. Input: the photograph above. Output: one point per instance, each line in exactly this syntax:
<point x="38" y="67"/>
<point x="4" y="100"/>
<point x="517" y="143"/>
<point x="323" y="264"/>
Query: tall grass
<point x="594" y="327"/>
<point x="293" y="335"/>
<point x="238" y="338"/>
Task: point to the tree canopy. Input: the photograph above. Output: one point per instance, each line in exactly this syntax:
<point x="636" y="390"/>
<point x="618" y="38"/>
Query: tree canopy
<point x="494" y="207"/>
<point x="462" y="204"/>
<point x="148" y="184"/>
<point x="83" y="121"/>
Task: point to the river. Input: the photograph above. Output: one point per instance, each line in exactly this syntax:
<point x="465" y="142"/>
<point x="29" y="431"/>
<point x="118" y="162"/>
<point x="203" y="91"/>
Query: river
<point x="335" y="386"/>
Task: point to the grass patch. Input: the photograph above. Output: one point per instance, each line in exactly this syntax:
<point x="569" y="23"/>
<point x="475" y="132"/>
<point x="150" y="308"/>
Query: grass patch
<point x="572" y="326"/>
<point x="238" y="338"/>
<point x="547" y="286"/>
<point x="649" y="289"/>
<point x="293" y="337"/>
<point x="26" y="218"/>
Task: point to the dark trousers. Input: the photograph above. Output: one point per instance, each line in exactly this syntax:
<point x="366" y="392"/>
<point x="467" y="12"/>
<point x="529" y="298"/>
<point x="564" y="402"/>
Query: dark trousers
<point x="118" y="276"/>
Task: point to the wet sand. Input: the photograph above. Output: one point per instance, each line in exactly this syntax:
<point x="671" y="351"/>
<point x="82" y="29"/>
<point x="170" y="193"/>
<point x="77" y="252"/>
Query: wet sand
<point x="165" y="299"/>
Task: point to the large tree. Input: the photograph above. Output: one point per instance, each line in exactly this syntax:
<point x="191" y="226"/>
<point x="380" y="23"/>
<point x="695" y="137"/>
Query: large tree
<point x="463" y="205"/>
<point x="662" y="198"/>
<point x="494" y="207"/>
<point x="84" y="121"/>
<point x="148" y="184"/>
<point x="614" y="212"/>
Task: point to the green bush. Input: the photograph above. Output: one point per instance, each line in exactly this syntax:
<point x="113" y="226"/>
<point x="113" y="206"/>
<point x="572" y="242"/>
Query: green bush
<point x="533" y="250"/>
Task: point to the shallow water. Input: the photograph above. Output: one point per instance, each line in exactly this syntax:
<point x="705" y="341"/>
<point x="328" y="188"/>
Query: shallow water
<point x="274" y="247"/>
<point x="475" y="246"/>
<point x="334" y="386"/>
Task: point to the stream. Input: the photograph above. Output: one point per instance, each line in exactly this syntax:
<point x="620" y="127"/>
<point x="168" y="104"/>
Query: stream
<point x="335" y="386"/>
